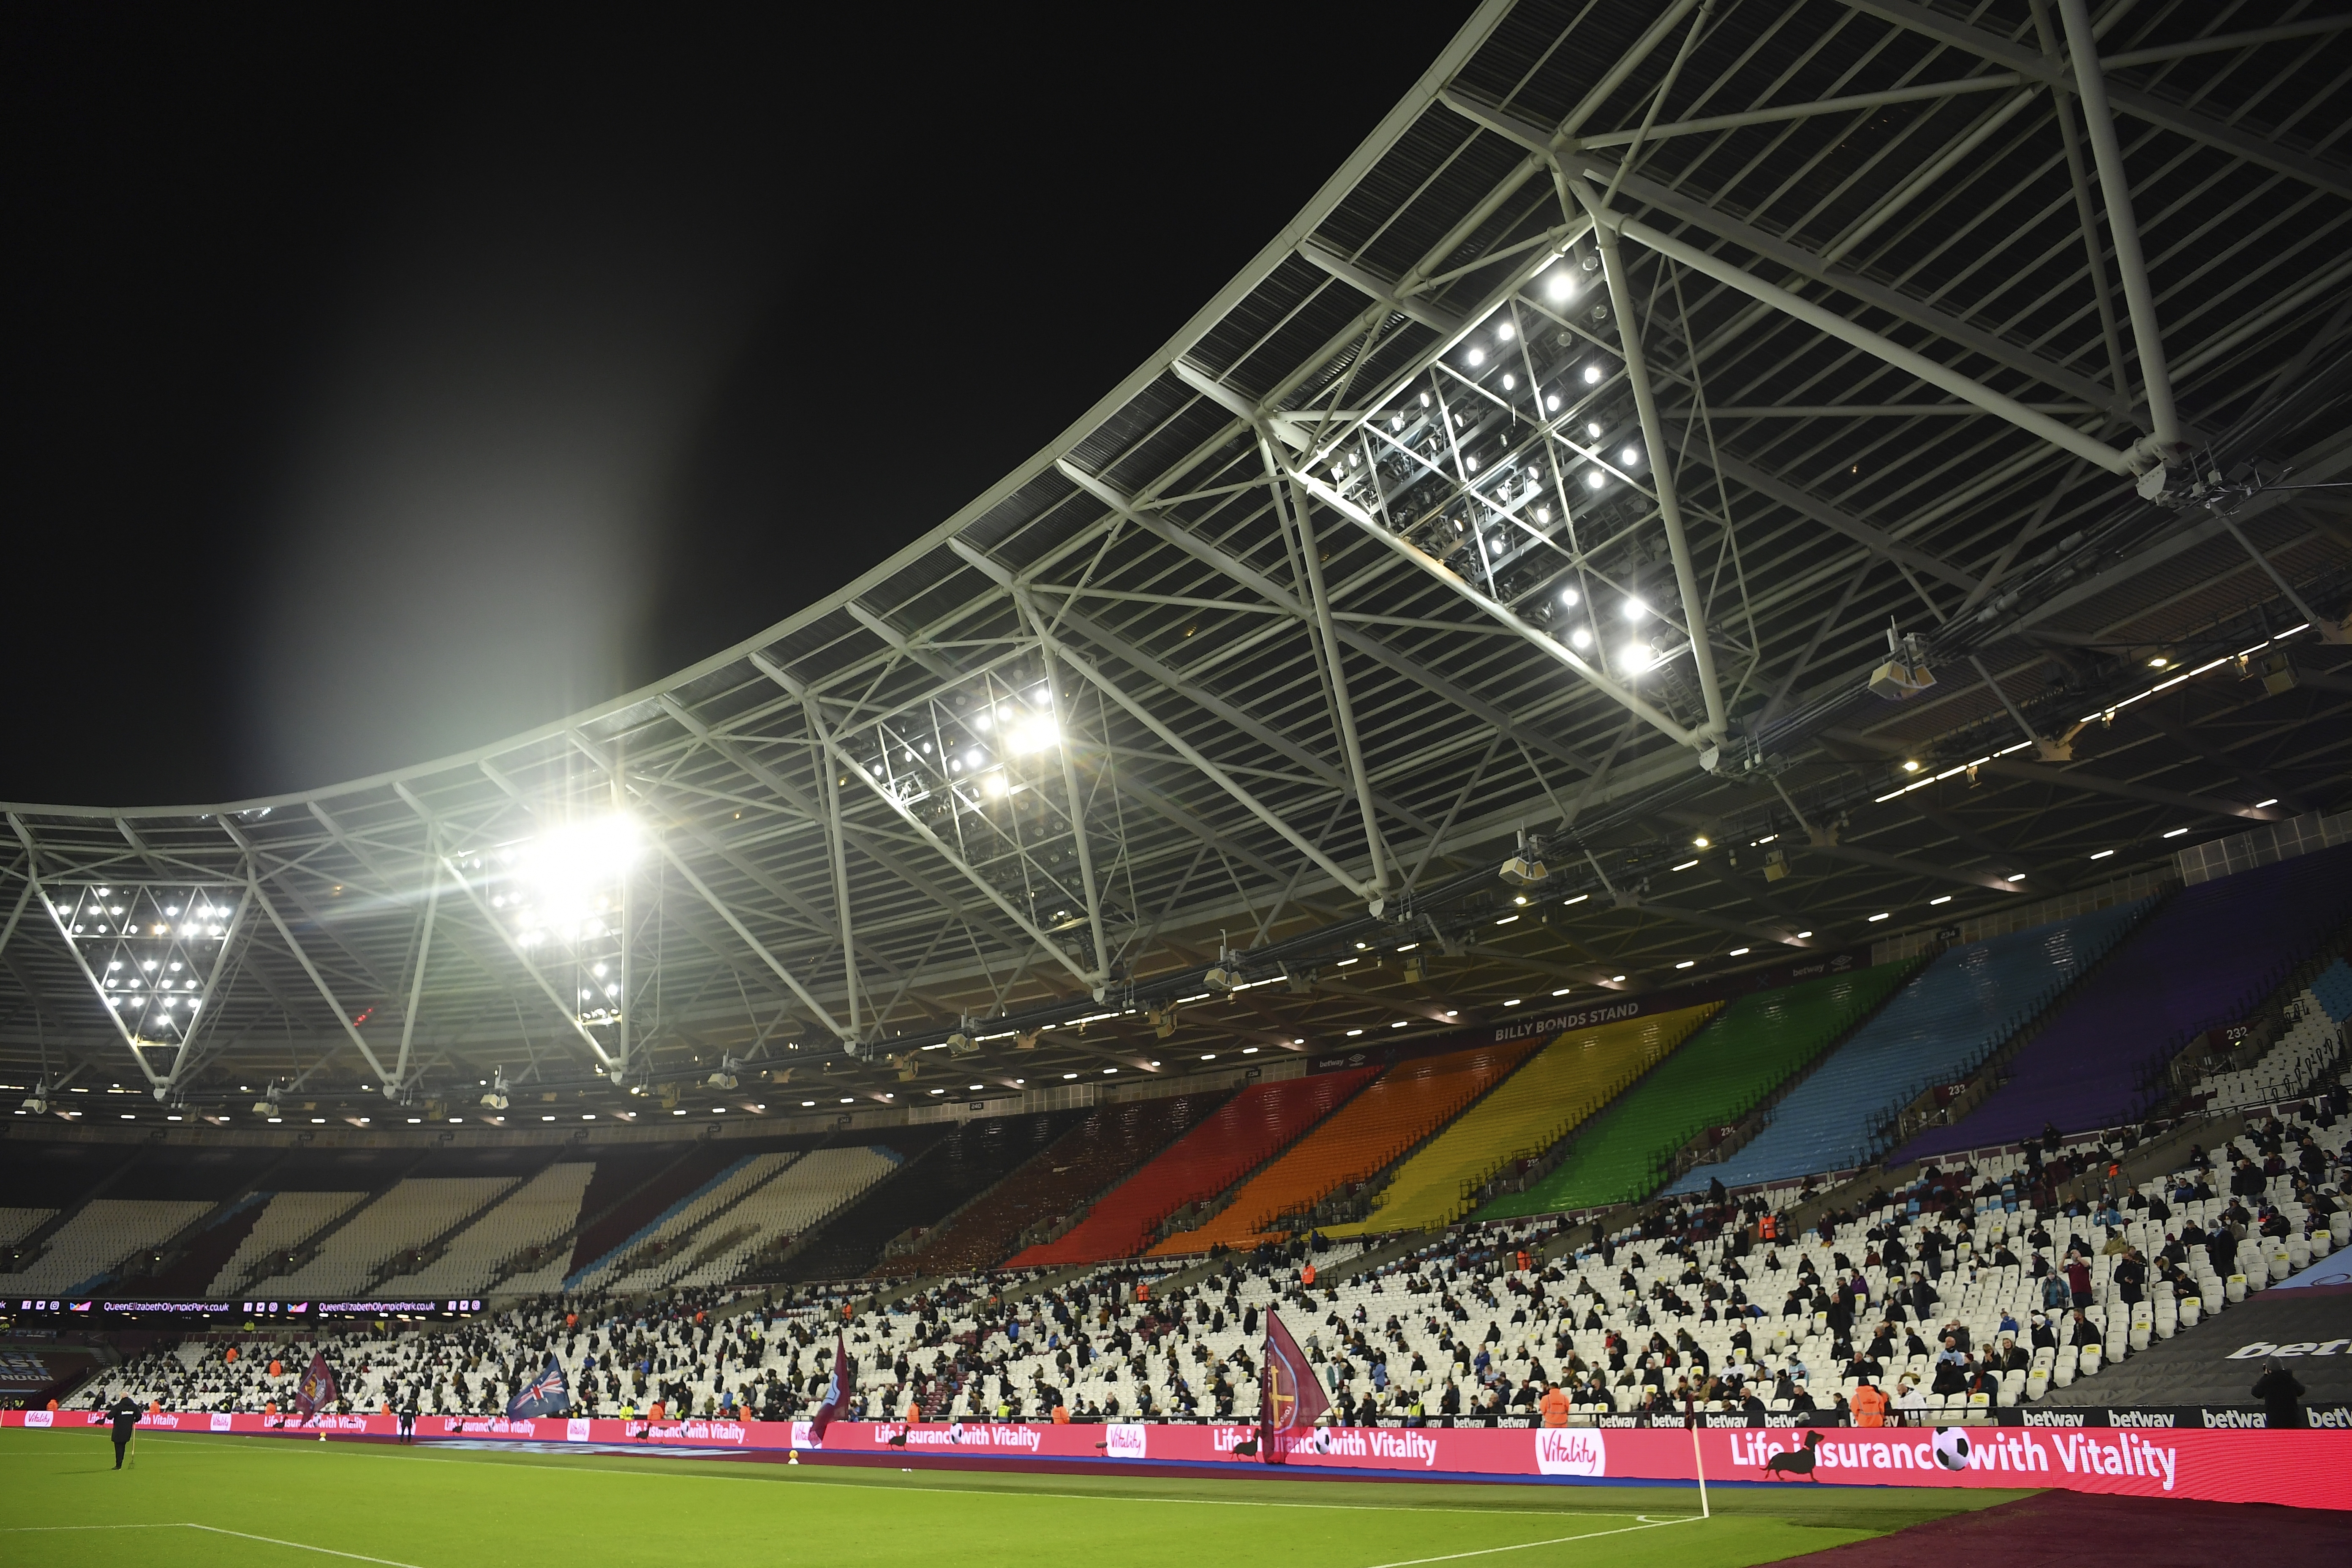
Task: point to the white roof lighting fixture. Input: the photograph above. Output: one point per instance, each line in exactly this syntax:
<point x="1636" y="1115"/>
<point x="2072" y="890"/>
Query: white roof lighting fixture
<point x="1579" y="637"/>
<point x="2260" y="803"/>
<point x="2175" y="833"/>
<point x="1559" y="283"/>
<point x="1594" y="479"/>
<point x="2102" y="854"/>
<point x="1503" y="330"/>
<point x="120" y="933"/>
<point x="1635" y="657"/>
<point x="1633" y="609"/>
<point x="1944" y="899"/>
<point x="1738" y="952"/>
<point x="1630" y="456"/>
<point x="1593" y="375"/>
<point x="1687" y="964"/>
<point x="1570" y="596"/>
<point x="1881" y="914"/>
<point x="1476" y="357"/>
<point x="1563" y="991"/>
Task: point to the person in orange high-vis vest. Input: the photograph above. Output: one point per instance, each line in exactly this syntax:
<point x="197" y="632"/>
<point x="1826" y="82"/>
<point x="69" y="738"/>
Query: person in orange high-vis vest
<point x="1143" y="1291"/>
<point x="1869" y="1406"/>
<point x="1307" y="1275"/>
<point x="1554" y="1406"/>
<point x="277" y="1367"/>
<point x="1061" y="1416"/>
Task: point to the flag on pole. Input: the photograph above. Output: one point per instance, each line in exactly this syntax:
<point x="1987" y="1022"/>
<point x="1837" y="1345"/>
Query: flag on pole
<point x="317" y="1387"/>
<point x="837" y="1391"/>
<point x="1290" y="1397"/>
<point x="548" y="1394"/>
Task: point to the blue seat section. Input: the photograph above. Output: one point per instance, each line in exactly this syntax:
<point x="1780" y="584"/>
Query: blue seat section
<point x="2334" y="989"/>
<point x="1937" y="1029"/>
<point x="2207" y="958"/>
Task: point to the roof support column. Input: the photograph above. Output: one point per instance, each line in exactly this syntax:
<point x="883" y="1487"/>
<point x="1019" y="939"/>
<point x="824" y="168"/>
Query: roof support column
<point x="1302" y="519"/>
<point x="834" y="849"/>
<point x="1662" y="472"/>
<point x="2123" y="226"/>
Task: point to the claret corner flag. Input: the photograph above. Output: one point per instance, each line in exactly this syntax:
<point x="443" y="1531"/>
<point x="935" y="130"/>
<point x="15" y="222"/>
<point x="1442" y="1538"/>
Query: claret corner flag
<point x="549" y="1395"/>
<point x="1290" y="1396"/>
<point x="837" y="1391"/>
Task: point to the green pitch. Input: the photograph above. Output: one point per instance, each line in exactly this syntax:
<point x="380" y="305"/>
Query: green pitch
<point x="275" y="1503"/>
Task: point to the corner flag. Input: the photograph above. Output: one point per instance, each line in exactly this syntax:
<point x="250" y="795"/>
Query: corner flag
<point x="549" y="1395"/>
<point x="1290" y="1396"/>
<point x="837" y="1391"/>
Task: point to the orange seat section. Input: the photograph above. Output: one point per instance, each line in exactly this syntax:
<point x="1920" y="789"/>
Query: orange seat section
<point x="1243" y="1134"/>
<point x="1373" y="1130"/>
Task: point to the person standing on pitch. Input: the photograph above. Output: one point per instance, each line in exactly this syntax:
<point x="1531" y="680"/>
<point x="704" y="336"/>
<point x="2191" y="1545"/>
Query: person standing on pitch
<point x="126" y="1425"/>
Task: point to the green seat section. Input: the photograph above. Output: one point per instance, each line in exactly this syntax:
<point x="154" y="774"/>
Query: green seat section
<point x="1745" y="1051"/>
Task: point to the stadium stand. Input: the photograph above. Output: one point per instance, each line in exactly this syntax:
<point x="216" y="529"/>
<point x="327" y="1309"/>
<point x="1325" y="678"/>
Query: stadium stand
<point x="1720" y="1074"/>
<point x="533" y="1216"/>
<point x="2311" y="1041"/>
<point x="201" y="1256"/>
<point x="1370" y="1132"/>
<point x="284" y="1221"/>
<point x="952" y="1161"/>
<point x="411" y="1214"/>
<point x="1055" y="1184"/>
<point x="803" y="1198"/>
<point x="1938" y="1028"/>
<point x="1244" y="1132"/>
<point x="1472" y="1325"/>
<point x="1534" y="1108"/>
<point x="103" y="1235"/>
<point x="631" y="1192"/>
<point x="16" y="1223"/>
<point x="637" y="1263"/>
<point x="2206" y="958"/>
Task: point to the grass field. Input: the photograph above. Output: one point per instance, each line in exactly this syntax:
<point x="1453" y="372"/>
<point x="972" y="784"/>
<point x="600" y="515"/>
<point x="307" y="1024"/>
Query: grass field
<point x="261" y="1502"/>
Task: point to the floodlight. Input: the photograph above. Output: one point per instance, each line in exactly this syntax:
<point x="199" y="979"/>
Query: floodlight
<point x="1634" y="657"/>
<point x="1035" y="734"/>
<point x="1560" y="283"/>
<point x="1593" y="375"/>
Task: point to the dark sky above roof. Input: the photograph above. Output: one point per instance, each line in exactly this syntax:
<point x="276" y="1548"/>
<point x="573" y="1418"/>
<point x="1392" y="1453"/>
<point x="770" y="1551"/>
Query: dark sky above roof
<point x="381" y="383"/>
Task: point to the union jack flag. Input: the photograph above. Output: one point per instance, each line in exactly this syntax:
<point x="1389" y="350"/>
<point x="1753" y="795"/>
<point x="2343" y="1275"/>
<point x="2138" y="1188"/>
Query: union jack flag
<point x="548" y="1394"/>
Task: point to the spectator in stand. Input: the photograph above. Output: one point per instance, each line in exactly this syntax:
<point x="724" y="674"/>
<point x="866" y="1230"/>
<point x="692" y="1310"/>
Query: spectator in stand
<point x="2078" y="1280"/>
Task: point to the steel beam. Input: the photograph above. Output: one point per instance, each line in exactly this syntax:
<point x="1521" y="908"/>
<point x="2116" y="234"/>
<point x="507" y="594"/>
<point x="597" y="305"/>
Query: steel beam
<point x="1661" y="462"/>
<point x="1093" y="981"/>
<point x="2123" y="224"/>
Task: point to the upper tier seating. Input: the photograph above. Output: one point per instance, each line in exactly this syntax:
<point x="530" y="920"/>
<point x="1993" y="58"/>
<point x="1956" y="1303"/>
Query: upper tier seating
<point x="532" y="1216"/>
<point x="200" y="1260"/>
<point x="2312" y="1040"/>
<point x="285" y="1221"/>
<point x="646" y="1253"/>
<point x="965" y="1159"/>
<point x="818" y="1184"/>
<point x="2204" y="958"/>
<point x="631" y="1190"/>
<point x="1534" y="1108"/>
<point x="411" y="1214"/>
<point x="1111" y="1142"/>
<point x="1935" y="1029"/>
<point x="1246" y="1131"/>
<point x="1720" y="1074"/>
<point x="98" y="1239"/>
<point x="1395" y="1111"/>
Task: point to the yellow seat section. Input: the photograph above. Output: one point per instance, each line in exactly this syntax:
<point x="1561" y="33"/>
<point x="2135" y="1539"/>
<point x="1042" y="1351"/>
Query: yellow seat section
<point x="1533" y="1108"/>
<point x="1373" y="1130"/>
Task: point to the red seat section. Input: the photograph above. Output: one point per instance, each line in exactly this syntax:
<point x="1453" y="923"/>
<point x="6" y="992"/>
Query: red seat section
<point x="1250" y="1129"/>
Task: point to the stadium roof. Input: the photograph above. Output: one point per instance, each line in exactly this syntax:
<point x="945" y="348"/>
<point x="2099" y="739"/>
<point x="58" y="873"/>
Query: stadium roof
<point x="1375" y="567"/>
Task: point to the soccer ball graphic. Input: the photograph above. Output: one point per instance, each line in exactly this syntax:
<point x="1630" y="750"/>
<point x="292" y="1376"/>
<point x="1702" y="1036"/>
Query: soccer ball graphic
<point x="1952" y="1447"/>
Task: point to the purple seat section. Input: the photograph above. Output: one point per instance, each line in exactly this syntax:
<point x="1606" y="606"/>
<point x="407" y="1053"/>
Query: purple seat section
<point x="2206" y="958"/>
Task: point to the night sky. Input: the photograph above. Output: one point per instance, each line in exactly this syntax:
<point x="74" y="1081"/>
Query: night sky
<point x="380" y="381"/>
